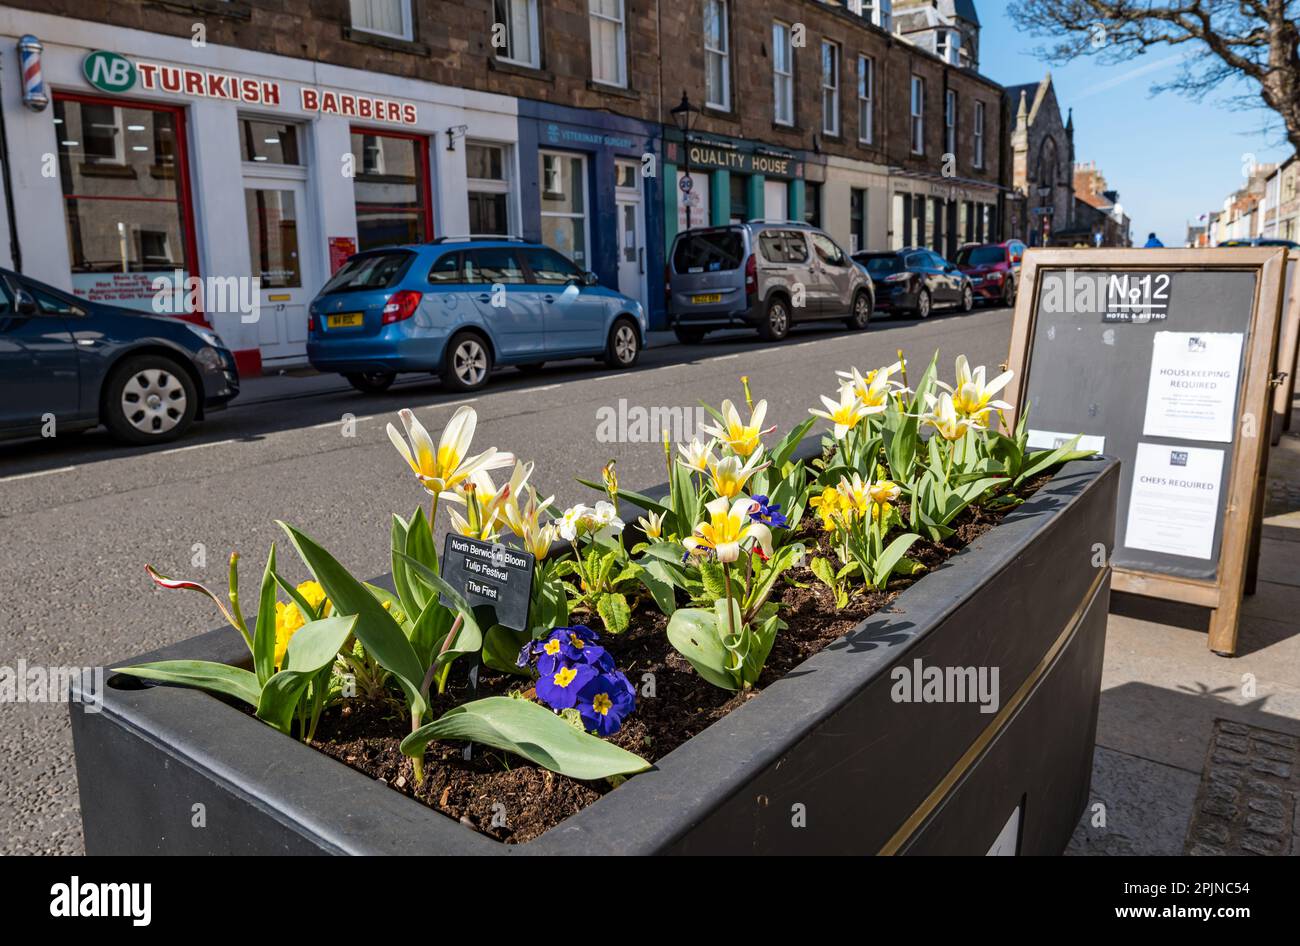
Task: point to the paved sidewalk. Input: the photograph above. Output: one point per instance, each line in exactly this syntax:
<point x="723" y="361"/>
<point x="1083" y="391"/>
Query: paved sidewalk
<point x="1197" y="753"/>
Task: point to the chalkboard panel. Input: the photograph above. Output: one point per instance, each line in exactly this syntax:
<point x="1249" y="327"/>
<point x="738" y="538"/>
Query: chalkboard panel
<point x="1091" y="372"/>
<point x="1165" y="359"/>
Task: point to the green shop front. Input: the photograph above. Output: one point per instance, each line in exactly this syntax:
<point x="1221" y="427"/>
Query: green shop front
<point x="720" y="180"/>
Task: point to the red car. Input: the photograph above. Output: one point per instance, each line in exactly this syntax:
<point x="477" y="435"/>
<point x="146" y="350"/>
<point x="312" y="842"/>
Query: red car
<point x="993" y="268"/>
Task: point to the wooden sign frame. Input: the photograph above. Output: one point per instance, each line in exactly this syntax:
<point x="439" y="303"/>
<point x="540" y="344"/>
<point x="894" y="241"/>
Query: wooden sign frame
<point x="1288" y="351"/>
<point x="1244" y="489"/>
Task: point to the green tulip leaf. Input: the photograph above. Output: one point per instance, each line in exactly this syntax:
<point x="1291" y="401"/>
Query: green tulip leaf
<point x="204" y="674"/>
<point x="529" y="730"/>
<point x="693" y="632"/>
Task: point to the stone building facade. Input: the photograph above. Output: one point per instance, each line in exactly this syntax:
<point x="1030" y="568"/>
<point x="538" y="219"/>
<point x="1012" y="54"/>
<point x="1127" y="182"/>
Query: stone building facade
<point x="1041" y="163"/>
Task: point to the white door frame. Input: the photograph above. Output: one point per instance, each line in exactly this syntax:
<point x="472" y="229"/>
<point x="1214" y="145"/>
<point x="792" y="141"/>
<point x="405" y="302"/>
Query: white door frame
<point x="625" y="196"/>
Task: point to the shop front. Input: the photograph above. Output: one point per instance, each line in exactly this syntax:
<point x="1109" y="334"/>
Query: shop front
<point x="225" y="186"/>
<point x="591" y="190"/>
<point x="942" y="214"/>
<point x="856" y="197"/>
<point x="726" y="180"/>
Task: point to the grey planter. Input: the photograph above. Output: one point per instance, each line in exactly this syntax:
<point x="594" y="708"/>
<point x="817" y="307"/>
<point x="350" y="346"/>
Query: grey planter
<point x="824" y="761"/>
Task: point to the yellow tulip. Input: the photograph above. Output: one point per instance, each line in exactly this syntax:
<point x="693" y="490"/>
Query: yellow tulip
<point x="742" y="438"/>
<point x="446" y="466"/>
<point x="728" y="530"/>
<point x="728" y="476"/>
<point x="973" y="397"/>
<point x="845" y="414"/>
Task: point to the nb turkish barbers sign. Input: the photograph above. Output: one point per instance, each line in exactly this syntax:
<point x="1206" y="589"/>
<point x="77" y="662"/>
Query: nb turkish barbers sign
<point x="115" y="74"/>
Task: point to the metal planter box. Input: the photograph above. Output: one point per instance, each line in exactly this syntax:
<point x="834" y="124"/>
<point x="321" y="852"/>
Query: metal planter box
<point x="824" y="761"/>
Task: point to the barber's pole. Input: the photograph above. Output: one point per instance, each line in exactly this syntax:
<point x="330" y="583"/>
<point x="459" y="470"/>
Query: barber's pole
<point x="29" y="54"/>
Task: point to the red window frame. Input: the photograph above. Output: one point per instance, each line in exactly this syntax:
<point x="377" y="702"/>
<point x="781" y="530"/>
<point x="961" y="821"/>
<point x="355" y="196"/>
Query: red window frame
<point x="184" y="197"/>
<point x="422" y="158"/>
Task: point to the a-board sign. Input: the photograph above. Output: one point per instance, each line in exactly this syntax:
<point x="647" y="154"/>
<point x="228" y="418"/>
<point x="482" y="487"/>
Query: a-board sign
<point x="493" y="577"/>
<point x="1288" y="349"/>
<point x="1164" y="359"/>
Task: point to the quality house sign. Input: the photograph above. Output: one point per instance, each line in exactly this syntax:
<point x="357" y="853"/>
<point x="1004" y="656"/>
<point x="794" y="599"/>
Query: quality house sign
<point x="115" y="74"/>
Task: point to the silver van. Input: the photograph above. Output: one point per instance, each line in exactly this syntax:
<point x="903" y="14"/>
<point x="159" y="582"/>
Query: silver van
<point x="764" y="274"/>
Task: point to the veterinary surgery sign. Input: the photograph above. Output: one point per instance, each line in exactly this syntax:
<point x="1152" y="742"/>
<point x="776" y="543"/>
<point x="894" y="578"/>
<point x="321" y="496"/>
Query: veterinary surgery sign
<point x="115" y="74"/>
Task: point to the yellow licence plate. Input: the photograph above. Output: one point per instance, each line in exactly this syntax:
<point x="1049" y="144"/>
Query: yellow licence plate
<point x="344" y="320"/>
<point x="705" y="300"/>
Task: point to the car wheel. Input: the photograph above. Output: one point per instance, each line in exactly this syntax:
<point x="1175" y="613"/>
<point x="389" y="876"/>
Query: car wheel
<point x="532" y="367"/>
<point x="776" y="321"/>
<point x="923" y="304"/>
<point x="967" y="299"/>
<point x="624" y="345"/>
<point x="372" y="382"/>
<point x="149" y="399"/>
<point x="861" y="312"/>
<point x="689" y="336"/>
<point x="467" y="362"/>
<point x="1009" y="292"/>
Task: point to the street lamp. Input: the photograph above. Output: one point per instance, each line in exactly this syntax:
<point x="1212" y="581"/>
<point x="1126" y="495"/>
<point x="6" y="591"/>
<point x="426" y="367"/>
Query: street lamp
<point x="684" y="116"/>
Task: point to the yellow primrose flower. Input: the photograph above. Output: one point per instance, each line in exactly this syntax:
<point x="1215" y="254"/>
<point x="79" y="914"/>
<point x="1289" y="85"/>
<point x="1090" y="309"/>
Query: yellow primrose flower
<point x="443" y="467"/>
<point x="728" y="530"/>
<point x="941" y="414"/>
<point x="728" y="476"/>
<point x="696" y="456"/>
<point x="653" y="526"/>
<point x="875" y="388"/>
<point x="288" y="618"/>
<point x="830" y="506"/>
<point x="742" y="438"/>
<point x="972" y="397"/>
<point x="844" y="414"/>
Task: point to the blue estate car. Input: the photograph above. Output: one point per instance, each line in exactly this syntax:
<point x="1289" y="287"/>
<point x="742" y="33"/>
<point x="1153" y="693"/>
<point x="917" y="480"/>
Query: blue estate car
<point x="457" y="307"/>
<point x="145" y="377"/>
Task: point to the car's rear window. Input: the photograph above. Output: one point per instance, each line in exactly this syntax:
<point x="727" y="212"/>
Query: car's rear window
<point x="709" y="251"/>
<point x="882" y="265"/>
<point x="981" y="255"/>
<point x="379" y="271"/>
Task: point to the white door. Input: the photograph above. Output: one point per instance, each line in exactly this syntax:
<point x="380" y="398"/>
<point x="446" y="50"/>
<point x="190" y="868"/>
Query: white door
<point x="277" y="240"/>
<point x="631" y="233"/>
<point x="775" y="200"/>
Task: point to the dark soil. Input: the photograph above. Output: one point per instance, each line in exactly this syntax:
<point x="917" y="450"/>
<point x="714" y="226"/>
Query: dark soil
<point x="515" y="801"/>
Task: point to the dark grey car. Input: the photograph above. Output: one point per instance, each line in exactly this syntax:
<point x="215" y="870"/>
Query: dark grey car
<point x="765" y="275"/>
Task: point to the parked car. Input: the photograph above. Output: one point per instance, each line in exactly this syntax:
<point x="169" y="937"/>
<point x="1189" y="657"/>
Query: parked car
<point x="748" y="275"/>
<point x="145" y="377"/>
<point x="458" y="307"/>
<point x="993" y="268"/>
<point x="1263" y="241"/>
<point x="917" y="280"/>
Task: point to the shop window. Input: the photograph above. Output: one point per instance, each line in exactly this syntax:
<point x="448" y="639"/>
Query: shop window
<point x="486" y="167"/>
<point x="391" y="188"/>
<point x="625" y="175"/>
<point x="739" y="198"/>
<point x="608" y="42"/>
<point x="126" y="209"/>
<point x="383" y="17"/>
<point x="717" y="56"/>
<point x="857" y="220"/>
<point x="273" y="237"/>
<point x="564" y="205"/>
<point x="812" y="203"/>
<point x="518" y="22"/>
<point x="269" y="142"/>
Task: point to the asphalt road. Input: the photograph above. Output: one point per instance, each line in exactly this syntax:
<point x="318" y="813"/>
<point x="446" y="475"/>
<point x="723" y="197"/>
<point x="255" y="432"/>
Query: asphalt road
<point x="79" y="516"/>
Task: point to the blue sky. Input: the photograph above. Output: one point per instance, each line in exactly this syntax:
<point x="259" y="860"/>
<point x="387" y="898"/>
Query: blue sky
<point x="1169" y="157"/>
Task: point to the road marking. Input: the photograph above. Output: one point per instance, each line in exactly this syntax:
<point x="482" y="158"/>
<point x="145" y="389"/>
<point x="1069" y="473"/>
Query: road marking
<point x="28" y="476"/>
<point x="194" y="446"/>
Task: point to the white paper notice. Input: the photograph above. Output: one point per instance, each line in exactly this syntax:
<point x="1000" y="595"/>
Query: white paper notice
<point x="1174" y="500"/>
<point x="1192" y="394"/>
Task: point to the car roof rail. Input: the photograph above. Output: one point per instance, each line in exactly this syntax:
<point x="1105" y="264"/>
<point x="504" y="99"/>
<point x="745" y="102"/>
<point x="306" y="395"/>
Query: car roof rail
<point x="479" y="238"/>
<point x="785" y="222"/>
